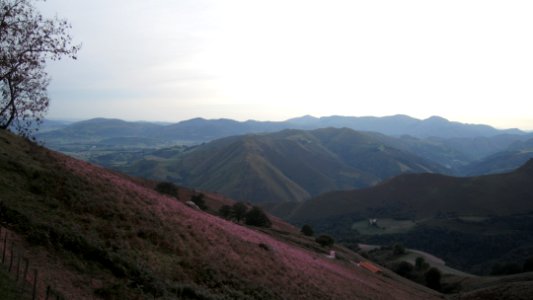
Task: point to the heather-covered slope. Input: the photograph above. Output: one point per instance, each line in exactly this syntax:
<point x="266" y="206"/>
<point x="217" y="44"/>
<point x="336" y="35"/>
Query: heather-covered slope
<point x="100" y="234"/>
<point x="291" y="165"/>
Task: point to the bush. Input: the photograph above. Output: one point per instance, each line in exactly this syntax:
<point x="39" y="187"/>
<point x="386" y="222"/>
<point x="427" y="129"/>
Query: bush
<point x="225" y="212"/>
<point x="198" y="199"/>
<point x="404" y="269"/>
<point x="505" y="269"/>
<point x="325" y="240"/>
<point x="528" y="265"/>
<point x="307" y="230"/>
<point x="432" y="277"/>
<point x="421" y="264"/>
<point x="239" y="210"/>
<point x="256" y="217"/>
<point x="398" y="249"/>
<point x="167" y="188"/>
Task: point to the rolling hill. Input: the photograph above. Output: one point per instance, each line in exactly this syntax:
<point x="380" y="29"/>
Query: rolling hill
<point x="93" y="233"/>
<point x="513" y="157"/>
<point x="95" y="130"/>
<point x="404" y="125"/>
<point x="114" y="143"/>
<point x="473" y="223"/>
<point x="291" y="165"/>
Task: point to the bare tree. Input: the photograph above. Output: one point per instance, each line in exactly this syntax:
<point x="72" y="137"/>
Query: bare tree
<point x="27" y="41"/>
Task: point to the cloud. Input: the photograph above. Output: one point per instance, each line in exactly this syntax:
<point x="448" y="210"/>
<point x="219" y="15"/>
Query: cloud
<point x="465" y="60"/>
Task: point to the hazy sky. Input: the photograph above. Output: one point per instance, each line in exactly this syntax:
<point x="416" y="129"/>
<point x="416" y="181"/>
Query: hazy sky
<point x="170" y="60"/>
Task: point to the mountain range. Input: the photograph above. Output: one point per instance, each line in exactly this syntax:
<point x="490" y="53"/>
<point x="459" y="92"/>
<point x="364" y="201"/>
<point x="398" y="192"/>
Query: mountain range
<point x="201" y="130"/>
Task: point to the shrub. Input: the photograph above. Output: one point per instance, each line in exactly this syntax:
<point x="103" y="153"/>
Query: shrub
<point x="398" y="249"/>
<point x="198" y="199"/>
<point x="225" y="212"/>
<point x="421" y="264"/>
<point x="256" y="217"/>
<point x="167" y="188"/>
<point x="307" y="230"/>
<point x="528" y="265"/>
<point x="325" y="240"/>
<point x="505" y="269"/>
<point x="239" y="211"/>
<point x="264" y="246"/>
<point x="432" y="277"/>
<point x="404" y="269"/>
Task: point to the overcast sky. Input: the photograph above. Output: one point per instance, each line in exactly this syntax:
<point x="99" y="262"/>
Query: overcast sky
<point x="170" y="60"/>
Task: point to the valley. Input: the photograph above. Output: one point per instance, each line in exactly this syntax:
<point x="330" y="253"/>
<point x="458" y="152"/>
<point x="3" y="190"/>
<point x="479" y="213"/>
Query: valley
<point x="251" y="161"/>
<point x="360" y="187"/>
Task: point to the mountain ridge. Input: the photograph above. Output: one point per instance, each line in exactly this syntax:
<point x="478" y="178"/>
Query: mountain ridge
<point x="202" y="130"/>
<point x="290" y="165"/>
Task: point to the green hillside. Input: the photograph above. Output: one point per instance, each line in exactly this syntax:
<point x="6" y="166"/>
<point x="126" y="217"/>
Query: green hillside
<point x="513" y="157"/>
<point x="291" y="165"/>
<point x="92" y="233"/>
<point x="473" y="223"/>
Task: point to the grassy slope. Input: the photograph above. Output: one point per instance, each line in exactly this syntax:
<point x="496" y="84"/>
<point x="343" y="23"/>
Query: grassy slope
<point x="100" y="231"/>
<point x="419" y="196"/>
<point x="291" y="165"/>
<point x="473" y="223"/>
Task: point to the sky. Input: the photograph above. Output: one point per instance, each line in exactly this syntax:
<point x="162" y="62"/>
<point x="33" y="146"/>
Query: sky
<point x="167" y="60"/>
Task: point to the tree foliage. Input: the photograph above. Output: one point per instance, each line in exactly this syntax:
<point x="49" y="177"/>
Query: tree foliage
<point x="198" y="199"/>
<point x="432" y="277"/>
<point x="256" y="217"/>
<point x="167" y="188"/>
<point x="225" y="212"/>
<point x="398" y="249"/>
<point x="421" y="264"/>
<point x="239" y="210"/>
<point x="528" y="265"/>
<point x="404" y="269"/>
<point x="325" y="240"/>
<point x="307" y="230"/>
<point x="27" y="41"/>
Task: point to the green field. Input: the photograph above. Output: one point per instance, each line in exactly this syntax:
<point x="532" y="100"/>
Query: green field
<point x="383" y="226"/>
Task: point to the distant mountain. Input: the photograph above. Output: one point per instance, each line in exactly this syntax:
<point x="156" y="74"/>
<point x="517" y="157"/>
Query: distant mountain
<point x="95" y="130"/>
<point x="470" y="222"/>
<point x="403" y="125"/>
<point x="115" y="142"/>
<point x="516" y="155"/>
<point x="205" y="130"/>
<point x="291" y="165"/>
<point x="50" y="125"/>
<point x="201" y="130"/>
